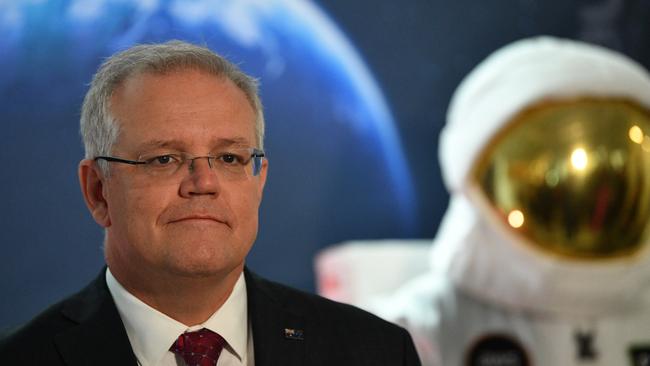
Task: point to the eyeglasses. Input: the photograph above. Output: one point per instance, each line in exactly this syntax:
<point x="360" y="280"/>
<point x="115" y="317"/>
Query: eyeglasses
<point x="233" y="163"/>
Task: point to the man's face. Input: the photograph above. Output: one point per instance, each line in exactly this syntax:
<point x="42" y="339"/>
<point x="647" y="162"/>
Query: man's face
<point x="200" y="223"/>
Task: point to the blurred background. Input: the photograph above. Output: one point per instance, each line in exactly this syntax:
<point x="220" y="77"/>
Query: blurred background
<point x="355" y="94"/>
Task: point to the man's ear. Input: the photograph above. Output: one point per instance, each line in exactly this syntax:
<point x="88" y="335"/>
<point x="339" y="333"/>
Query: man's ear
<point x="92" y="182"/>
<point x="262" y="176"/>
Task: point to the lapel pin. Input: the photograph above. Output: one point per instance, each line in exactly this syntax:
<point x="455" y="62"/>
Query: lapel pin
<point x="295" y="334"/>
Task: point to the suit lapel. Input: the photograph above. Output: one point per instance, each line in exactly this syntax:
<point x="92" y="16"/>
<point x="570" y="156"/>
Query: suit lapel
<point x="99" y="338"/>
<point x="279" y="335"/>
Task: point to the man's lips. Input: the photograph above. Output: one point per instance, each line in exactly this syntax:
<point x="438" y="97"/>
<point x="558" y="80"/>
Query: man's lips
<point x="199" y="218"/>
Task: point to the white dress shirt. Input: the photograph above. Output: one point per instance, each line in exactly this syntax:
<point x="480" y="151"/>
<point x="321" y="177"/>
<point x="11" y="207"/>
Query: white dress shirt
<point x="152" y="333"/>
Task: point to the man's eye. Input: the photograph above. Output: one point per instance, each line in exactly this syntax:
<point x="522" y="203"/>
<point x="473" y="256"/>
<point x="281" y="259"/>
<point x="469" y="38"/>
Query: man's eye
<point x="231" y="159"/>
<point x="162" y="160"/>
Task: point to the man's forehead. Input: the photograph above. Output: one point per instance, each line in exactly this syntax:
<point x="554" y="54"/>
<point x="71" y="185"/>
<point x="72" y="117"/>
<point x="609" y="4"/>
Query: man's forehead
<point x="212" y="129"/>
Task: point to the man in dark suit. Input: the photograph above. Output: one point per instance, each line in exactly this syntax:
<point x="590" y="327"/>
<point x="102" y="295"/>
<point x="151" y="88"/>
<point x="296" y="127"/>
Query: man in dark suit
<point x="174" y="172"/>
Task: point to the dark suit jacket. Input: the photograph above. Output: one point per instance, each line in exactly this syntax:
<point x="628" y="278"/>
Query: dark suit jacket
<point x="289" y="328"/>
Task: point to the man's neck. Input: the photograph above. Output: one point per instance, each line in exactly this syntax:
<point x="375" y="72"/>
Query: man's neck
<point x="190" y="300"/>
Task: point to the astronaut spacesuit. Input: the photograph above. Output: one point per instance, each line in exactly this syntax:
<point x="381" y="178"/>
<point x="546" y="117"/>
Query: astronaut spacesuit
<point x="542" y="257"/>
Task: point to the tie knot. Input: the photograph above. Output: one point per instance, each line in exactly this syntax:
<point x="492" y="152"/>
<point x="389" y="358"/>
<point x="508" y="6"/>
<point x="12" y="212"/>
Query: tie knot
<point x="200" y="348"/>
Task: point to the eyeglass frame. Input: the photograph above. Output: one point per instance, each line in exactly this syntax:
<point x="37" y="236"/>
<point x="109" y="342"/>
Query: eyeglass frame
<point x="255" y="154"/>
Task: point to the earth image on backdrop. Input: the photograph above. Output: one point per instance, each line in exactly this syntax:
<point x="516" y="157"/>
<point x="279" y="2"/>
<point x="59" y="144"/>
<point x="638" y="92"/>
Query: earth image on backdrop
<point x="337" y="168"/>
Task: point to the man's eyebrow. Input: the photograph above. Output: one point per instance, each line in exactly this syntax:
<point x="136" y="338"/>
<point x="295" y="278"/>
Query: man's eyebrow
<point x="180" y="145"/>
<point x="153" y="144"/>
<point x="234" y="141"/>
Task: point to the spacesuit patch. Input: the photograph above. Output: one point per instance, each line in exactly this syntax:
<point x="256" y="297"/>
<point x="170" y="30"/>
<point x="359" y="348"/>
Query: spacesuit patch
<point x="496" y="350"/>
<point x="640" y="355"/>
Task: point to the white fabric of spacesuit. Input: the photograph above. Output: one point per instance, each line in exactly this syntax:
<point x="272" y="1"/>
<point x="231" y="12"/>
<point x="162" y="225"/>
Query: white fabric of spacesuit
<point x="490" y="300"/>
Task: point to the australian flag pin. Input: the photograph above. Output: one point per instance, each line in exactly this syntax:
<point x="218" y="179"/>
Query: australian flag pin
<point x="295" y="334"/>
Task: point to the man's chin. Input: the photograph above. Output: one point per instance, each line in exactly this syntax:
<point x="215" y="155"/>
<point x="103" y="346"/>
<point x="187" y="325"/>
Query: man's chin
<point x="199" y="272"/>
<point x="206" y="266"/>
<point x="205" y="254"/>
<point x="205" y="239"/>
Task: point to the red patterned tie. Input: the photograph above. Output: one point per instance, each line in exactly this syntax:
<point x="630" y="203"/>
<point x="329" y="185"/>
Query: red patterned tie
<point x="200" y="348"/>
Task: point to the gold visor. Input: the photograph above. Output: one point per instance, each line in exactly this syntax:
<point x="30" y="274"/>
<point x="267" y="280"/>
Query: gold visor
<point x="572" y="177"/>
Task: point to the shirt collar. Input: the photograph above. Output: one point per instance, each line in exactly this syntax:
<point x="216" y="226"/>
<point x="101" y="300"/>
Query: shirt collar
<point x="151" y="332"/>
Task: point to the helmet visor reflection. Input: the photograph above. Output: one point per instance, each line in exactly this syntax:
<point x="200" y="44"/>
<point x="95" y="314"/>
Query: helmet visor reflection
<point x="572" y="177"/>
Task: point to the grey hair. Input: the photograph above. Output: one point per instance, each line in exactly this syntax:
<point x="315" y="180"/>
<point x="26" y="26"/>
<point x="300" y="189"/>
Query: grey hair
<point x="100" y="130"/>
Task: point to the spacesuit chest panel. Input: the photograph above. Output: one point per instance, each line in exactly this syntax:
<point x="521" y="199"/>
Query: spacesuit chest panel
<point x="474" y="333"/>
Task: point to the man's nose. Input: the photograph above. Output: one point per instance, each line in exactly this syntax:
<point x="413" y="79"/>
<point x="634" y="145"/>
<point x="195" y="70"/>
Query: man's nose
<point x="202" y="178"/>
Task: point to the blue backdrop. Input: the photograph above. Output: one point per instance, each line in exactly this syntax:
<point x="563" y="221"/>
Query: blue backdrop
<point x="355" y="94"/>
